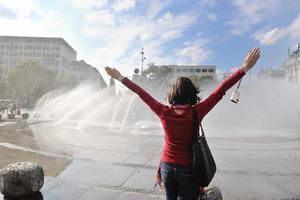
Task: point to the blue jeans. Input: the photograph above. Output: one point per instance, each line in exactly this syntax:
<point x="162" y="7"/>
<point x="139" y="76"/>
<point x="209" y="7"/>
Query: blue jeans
<point x="178" y="182"/>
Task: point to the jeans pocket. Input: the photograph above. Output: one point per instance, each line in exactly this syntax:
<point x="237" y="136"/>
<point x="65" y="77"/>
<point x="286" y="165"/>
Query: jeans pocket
<point x="164" y="174"/>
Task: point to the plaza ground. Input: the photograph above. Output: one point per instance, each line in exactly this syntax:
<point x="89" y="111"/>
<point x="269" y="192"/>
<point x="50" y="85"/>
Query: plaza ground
<point x="99" y="163"/>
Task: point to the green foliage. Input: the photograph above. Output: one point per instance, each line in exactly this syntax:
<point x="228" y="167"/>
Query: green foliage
<point x="4" y="90"/>
<point x="200" y="80"/>
<point x="65" y="80"/>
<point x="157" y="73"/>
<point x="30" y="79"/>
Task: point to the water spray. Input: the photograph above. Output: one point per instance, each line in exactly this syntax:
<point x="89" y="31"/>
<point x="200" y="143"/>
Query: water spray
<point x="235" y="96"/>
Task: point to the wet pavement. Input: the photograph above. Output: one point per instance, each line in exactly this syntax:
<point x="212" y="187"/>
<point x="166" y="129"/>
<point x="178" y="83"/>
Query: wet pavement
<point x="98" y="163"/>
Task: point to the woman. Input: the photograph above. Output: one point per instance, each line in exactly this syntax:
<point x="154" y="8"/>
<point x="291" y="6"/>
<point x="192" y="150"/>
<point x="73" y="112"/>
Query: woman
<point x="177" y="121"/>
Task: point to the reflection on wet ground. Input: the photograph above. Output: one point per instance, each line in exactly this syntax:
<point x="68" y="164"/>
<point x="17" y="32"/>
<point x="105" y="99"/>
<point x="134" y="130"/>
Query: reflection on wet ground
<point x="97" y="163"/>
<point x="17" y="143"/>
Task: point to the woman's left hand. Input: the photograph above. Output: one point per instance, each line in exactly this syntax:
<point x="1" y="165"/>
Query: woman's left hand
<point x="251" y="59"/>
<point x="114" y="73"/>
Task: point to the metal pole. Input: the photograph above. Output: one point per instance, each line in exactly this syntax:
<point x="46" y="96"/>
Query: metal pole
<point x="142" y="52"/>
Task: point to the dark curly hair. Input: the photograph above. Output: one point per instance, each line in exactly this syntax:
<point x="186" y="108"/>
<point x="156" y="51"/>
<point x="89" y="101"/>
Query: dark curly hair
<point x="183" y="91"/>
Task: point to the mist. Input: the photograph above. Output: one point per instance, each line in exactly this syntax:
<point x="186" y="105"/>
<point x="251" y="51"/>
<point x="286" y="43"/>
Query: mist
<point x="265" y="104"/>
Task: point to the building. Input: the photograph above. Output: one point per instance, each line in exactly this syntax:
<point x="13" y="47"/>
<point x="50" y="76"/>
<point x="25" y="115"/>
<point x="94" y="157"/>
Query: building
<point x="291" y="66"/>
<point x="270" y="73"/>
<point x="54" y="53"/>
<point x="85" y="72"/>
<point x="201" y="71"/>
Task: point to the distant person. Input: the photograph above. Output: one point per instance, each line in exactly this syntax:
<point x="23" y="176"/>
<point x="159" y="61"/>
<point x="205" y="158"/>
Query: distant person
<point x="175" y="173"/>
<point x="2" y="105"/>
<point x="14" y="107"/>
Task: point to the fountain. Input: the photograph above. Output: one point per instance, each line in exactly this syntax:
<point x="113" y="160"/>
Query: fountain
<point x="255" y="141"/>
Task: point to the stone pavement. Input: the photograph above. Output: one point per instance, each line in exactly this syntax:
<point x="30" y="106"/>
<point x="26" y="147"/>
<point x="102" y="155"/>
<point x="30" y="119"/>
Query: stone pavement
<point x="109" y="165"/>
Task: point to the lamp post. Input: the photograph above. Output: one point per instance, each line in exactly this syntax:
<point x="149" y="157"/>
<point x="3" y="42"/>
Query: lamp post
<point x="143" y="58"/>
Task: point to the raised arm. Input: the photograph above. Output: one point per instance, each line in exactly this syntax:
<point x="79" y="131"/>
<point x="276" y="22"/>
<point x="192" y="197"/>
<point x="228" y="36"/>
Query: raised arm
<point x="155" y="106"/>
<point x="207" y="104"/>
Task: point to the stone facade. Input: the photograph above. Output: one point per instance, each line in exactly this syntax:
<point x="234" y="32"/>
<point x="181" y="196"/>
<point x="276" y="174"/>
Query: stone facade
<point x="54" y="53"/>
<point x="291" y="66"/>
<point x="197" y="70"/>
<point x="85" y="72"/>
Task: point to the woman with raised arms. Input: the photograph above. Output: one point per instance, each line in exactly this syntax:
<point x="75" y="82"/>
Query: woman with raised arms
<point x="175" y="173"/>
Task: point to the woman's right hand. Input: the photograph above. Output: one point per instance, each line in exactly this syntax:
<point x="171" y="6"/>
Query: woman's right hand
<point x="251" y="59"/>
<point x="114" y="73"/>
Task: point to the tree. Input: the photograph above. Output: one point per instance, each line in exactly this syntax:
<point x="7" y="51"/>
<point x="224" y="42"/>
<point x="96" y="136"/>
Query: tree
<point x="156" y="73"/>
<point x="30" y="79"/>
<point x="4" y="90"/>
<point x="66" y="80"/>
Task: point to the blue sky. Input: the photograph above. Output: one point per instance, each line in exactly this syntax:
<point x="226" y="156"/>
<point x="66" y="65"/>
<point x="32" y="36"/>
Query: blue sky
<point x="112" y="32"/>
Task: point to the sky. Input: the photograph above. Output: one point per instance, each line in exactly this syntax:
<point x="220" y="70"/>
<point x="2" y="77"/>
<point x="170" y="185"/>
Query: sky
<point x="112" y="32"/>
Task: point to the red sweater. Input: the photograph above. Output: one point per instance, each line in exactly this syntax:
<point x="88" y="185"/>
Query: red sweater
<point x="178" y="127"/>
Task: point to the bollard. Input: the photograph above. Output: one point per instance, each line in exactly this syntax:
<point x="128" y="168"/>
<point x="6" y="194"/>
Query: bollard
<point x="21" y="179"/>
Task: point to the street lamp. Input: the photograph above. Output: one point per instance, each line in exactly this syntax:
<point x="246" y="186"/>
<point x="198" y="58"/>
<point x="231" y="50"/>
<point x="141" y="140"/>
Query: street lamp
<point x="143" y="58"/>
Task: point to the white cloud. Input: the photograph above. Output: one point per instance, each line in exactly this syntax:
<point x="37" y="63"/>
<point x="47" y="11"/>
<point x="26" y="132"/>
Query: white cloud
<point x="194" y="51"/>
<point x="123" y="5"/>
<point x="155" y="7"/>
<point x="209" y="3"/>
<point x="168" y="26"/>
<point x="100" y="17"/>
<point x="120" y="37"/>
<point x="211" y="16"/>
<point x="294" y="29"/>
<point x="124" y="40"/>
<point x="87" y="4"/>
<point x="250" y="13"/>
<point x="22" y="9"/>
<point x="47" y="25"/>
<point x="270" y="37"/>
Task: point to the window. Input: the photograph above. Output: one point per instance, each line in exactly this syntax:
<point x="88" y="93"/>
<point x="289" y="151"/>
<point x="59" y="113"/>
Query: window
<point x="211" y="70"/>
<point x="204" y="70"/>
<point x="191" y="70"/>
<point x="184" y="70"/>
<point x="178" y="70"/>
<point x="198" y="70"/>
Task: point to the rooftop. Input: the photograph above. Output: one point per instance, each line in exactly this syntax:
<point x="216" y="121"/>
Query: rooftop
<point x="30" y="39"/>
